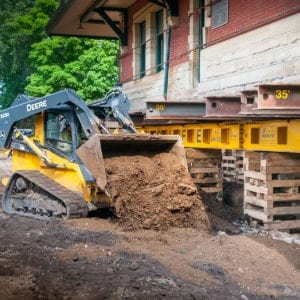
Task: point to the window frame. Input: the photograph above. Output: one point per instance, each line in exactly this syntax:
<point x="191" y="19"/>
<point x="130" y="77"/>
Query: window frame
<point x="160" y="40"/>
<point x="219" y="14"/>
<point x="145" y="59"/>
<point x="143" y="48"/>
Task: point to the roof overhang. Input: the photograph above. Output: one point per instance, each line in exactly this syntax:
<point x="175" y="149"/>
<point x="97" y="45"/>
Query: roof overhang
<point x="100" y="19"/>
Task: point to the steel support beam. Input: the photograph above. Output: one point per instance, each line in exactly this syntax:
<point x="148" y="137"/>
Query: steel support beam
<point x="174" y="110"/>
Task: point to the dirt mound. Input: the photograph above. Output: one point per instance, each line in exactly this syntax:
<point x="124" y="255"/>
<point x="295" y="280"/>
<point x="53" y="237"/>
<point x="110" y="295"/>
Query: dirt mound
<point x="154" y="192"/>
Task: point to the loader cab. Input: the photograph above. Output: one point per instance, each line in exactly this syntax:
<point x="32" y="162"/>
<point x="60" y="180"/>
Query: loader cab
<point x="63" y="133"/>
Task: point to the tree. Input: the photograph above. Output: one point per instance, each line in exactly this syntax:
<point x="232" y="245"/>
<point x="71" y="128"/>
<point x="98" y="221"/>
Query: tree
<point x="31" y="61"/>
<point x="22" y="24"/>
<point x="85" y="65"/>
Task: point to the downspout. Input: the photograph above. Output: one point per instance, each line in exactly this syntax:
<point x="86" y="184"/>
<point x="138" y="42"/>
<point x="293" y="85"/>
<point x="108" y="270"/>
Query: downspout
<point x="167" y="54"/>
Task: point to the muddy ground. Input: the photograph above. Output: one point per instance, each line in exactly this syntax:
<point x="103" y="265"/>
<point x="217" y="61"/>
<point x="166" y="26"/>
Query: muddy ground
<point x="97" y="258"/>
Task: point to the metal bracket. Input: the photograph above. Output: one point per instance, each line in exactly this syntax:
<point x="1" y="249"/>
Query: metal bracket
<point x="121" y="34"/>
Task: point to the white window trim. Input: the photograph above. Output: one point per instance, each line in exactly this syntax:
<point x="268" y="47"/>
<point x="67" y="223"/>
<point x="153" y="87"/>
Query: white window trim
<point x="147" y="14"/>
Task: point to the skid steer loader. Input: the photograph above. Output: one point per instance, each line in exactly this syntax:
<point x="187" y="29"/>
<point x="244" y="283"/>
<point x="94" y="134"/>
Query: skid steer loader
<point x="59" y="144"/>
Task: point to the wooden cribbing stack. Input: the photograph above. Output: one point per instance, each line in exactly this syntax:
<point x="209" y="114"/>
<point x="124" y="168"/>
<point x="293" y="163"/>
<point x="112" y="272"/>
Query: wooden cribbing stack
<point x="272" y="189"/>
<point x="205" y="169"/>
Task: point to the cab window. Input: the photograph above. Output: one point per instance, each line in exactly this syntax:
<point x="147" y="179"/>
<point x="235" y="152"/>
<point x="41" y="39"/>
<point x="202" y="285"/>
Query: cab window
<point x="58" y="132"/>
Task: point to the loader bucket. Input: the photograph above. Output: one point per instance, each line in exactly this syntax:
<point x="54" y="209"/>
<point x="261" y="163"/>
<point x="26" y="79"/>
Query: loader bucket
<point x="100" y="146"/>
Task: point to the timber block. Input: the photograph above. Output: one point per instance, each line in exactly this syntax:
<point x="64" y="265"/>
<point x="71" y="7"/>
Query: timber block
<point x="205" y="169"/>
<point x="233" y="166"/>
<point x="272" y="194"/>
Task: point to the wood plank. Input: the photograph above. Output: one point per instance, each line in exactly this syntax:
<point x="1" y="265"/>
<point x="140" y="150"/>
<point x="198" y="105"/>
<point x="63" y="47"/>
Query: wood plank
<point x="207" y="180"/>
<point x="278" y="163"/>
<point x="277" y="156"/>
<point x="205" y="164"/>
<point x="291" y="210"/>
<point x="252" y="155"/>
<point x="229" y="179"/>
<point x="255" y="201"/>
<point x="256" y="175"/>
<point x="293" y="224"/>
<point x="252" y="167"/>
<point x="258" y="189"/>
<point x="259" y="215"/>
<point x="228" y="157"/>
<point x="194" y="170"/>
<point x="282" y="197"/>
<point x="283" y="183"/>
<point x="226" y="172"/>
<point x="228" y="165"/>
<point x="282" y="169"/>
<point x="211" y="189"/>
<point x="200" y="154"/>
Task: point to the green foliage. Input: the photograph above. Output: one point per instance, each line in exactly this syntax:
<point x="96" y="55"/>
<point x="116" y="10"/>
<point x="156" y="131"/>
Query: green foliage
<point x="31" y="61"/>
<point x="22" y="24"/>
<point x="87" y="66"/>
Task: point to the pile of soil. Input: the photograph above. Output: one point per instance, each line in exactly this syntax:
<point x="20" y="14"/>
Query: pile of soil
<point x="154" y="193"/>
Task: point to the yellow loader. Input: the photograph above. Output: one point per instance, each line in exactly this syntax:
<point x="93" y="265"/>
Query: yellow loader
<point x="59" y="144"/>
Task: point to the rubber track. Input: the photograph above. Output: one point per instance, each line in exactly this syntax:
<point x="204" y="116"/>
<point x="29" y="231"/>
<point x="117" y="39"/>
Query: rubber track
<point x="75" y="204"/>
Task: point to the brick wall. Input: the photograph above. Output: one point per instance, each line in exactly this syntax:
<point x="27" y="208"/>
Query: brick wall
<point x="179" y="39"/>
<point x="260" y="44"/>
<point x="126" y="63"/>
<point x="126" y="70"/>
<point x="245" y="15"/>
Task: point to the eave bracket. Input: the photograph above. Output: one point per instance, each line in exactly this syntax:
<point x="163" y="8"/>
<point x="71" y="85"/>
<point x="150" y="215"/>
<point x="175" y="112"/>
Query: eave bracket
<point x="122" y="34"/>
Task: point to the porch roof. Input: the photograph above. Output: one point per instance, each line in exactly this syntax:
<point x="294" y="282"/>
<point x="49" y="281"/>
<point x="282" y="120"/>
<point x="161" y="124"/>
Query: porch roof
<point x="102" y="19"/>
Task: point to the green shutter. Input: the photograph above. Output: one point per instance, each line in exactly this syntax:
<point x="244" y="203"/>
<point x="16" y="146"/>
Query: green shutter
<point x="159" y="41"/>
<point x="143" y="49"/>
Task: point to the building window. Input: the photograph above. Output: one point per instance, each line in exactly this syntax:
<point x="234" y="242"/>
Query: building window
<point x="143" y="49"/>
<point x="159" y="41"/>
<point x="219" y="14"/>
<point x="148" y="42"/>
